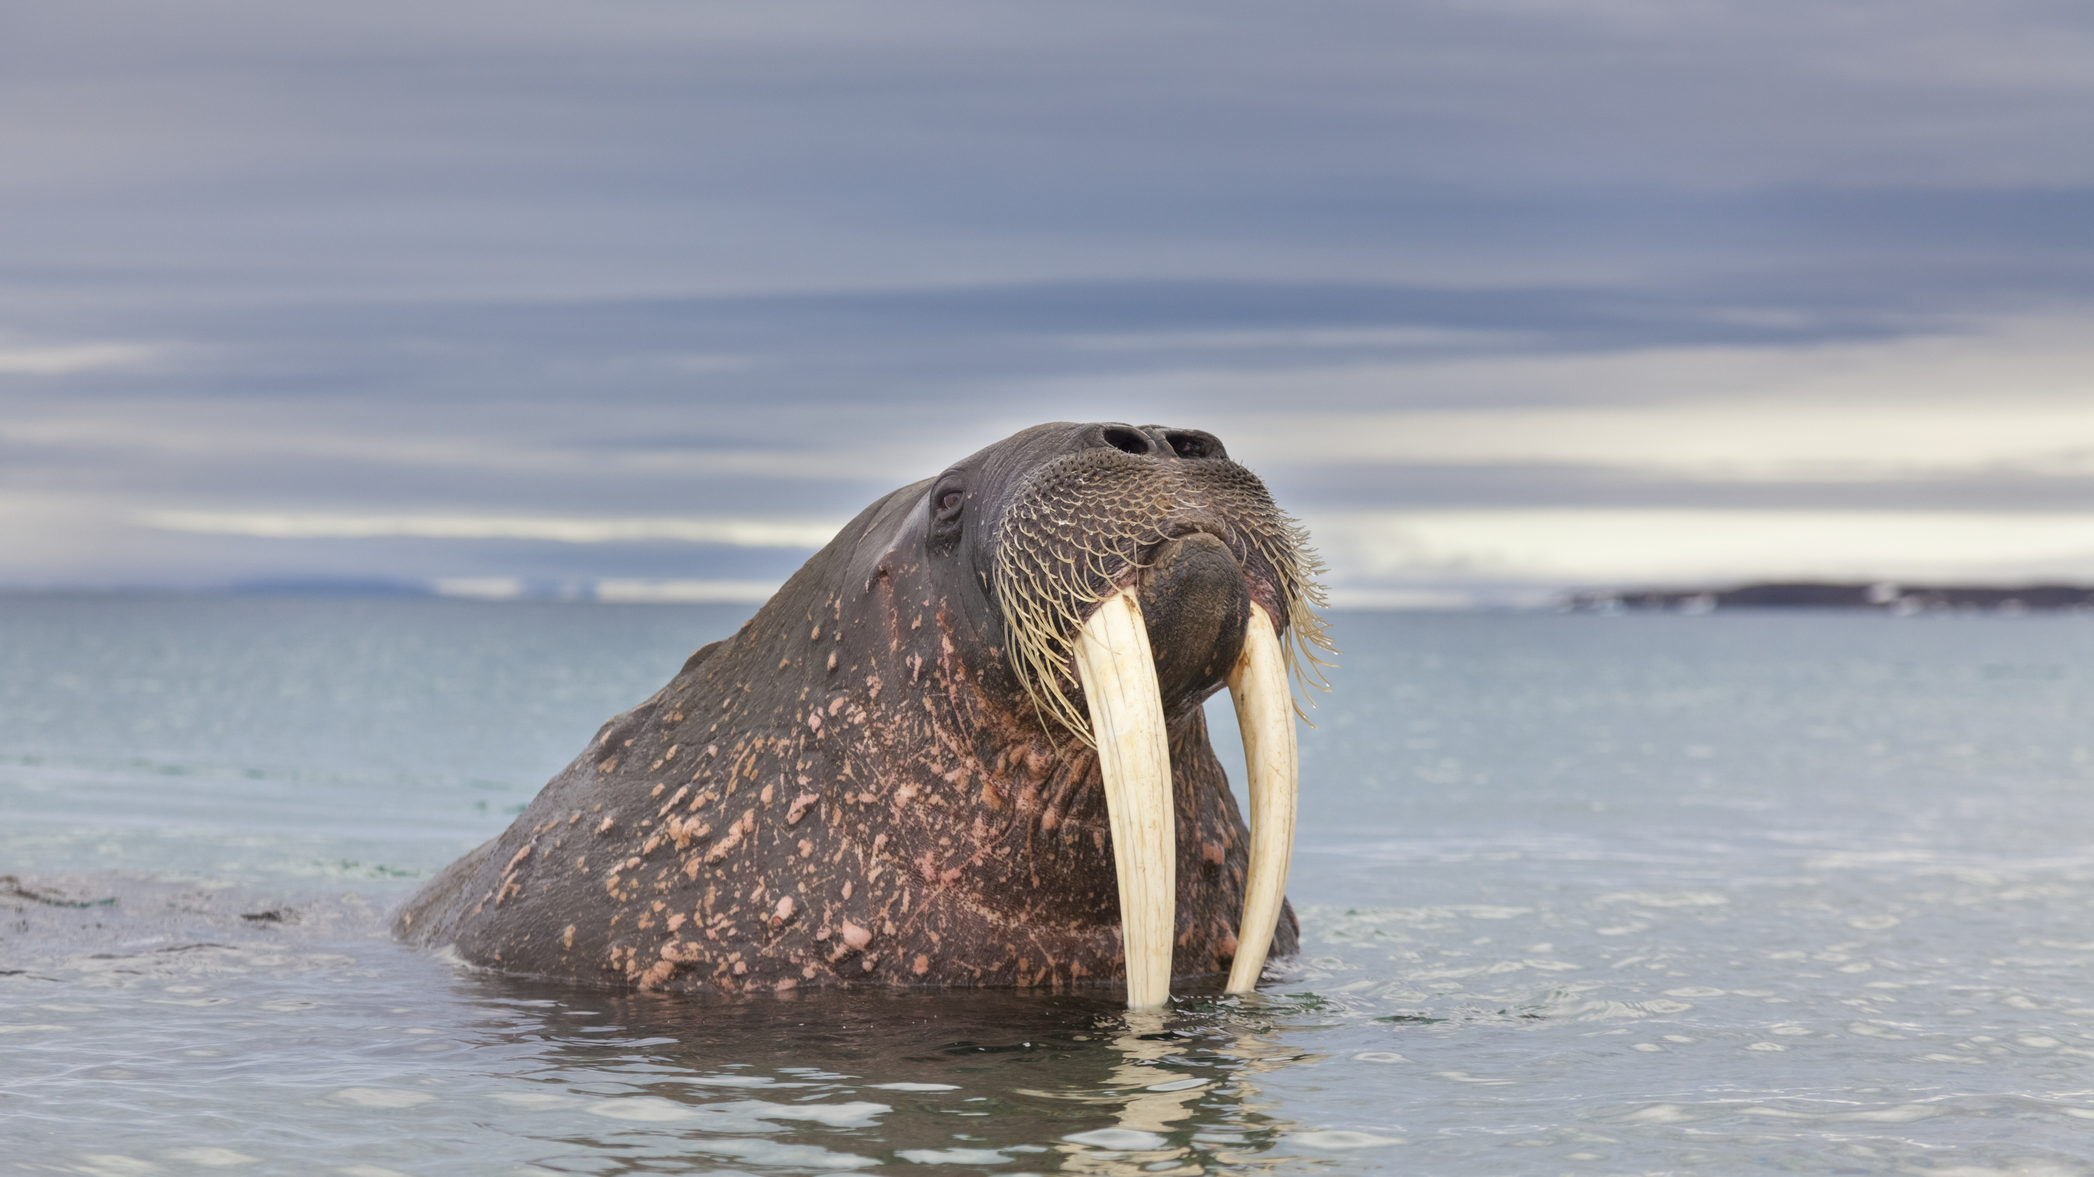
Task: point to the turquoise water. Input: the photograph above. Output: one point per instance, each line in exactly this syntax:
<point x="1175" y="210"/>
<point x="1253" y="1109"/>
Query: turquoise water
<point x="1735" y="893"/>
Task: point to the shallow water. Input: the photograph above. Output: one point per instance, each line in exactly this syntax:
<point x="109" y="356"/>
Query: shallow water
<point x="1579" y="894"/>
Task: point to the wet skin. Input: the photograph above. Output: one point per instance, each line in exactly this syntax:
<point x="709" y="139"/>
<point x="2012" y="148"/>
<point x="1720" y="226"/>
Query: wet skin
<point x="857" y="789"/>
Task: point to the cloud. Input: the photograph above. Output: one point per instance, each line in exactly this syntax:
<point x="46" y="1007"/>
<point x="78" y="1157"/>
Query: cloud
<point x="615" y="590"/>
<point x="2011" y="396"/>
<point x="67" y="359"/>
<point x="1760" y="440"/>
<point x="685" y="592"/>
<point x="1613" y="546"/>
<point x="554" y="149"/>
<point x="1466" y="476"/>
<point x="743" y="533"/>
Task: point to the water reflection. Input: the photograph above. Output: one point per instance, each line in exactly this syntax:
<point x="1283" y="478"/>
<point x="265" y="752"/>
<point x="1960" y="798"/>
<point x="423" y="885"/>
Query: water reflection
<point x="891" y="1081"/>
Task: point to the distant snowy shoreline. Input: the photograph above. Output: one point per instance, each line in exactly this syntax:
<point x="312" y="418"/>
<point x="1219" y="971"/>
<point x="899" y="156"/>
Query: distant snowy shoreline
<point x="1881" y="596"/>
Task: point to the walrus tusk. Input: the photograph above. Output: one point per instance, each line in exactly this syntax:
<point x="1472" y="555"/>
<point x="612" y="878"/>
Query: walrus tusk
<point x="1134" y="757"/>
<point x="1265" y="713"/>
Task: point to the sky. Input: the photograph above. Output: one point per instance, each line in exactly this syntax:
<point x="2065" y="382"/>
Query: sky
<point x="641" y="300"/>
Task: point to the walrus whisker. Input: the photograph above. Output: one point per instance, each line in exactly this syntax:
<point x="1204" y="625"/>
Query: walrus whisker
<point x="1062" y="553"/>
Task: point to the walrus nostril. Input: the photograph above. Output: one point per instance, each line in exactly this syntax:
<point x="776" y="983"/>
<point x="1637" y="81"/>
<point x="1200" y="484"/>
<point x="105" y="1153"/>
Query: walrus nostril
<point x="1126" y="440"/>
<point x="1192" y="443"/>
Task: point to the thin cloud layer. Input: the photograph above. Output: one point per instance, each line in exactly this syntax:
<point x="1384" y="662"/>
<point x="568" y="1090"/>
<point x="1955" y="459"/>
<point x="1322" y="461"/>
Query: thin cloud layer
<point x="740" y="533"/>
<point x="1507" y="549"/>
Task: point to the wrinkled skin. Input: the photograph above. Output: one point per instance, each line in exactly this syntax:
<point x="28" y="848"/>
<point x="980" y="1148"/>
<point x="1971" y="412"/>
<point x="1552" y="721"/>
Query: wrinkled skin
<point x="856" y="789"/>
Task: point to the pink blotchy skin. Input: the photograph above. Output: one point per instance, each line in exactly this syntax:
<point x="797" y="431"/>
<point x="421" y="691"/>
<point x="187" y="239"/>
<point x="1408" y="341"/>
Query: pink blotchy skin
<point x="855" y="790"/>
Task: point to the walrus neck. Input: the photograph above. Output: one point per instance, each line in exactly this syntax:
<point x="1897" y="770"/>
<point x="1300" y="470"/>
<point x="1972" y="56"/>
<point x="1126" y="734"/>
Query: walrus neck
<point x="1010" y="813"/>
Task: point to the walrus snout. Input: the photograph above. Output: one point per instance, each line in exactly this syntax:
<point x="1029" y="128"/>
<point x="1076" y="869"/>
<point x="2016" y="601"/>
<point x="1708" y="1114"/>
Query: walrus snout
<point x="1082" y="525"/>
<point x="1195" y="603"/>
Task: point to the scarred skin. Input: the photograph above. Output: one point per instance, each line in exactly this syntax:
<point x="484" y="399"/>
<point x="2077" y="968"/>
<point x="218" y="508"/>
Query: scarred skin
<point x="855" y="789"/>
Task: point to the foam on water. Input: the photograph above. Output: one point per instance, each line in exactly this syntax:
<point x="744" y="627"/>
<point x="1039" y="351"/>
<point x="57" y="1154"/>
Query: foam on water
<point x="1726" y="894"/>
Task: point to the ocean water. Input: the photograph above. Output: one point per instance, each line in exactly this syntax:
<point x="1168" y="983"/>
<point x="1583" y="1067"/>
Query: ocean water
<point x="1731" y="894"/>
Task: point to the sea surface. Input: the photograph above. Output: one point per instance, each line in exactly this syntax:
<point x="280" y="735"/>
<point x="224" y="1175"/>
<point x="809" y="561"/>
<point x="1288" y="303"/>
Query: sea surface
<point x="1738" y="893"/>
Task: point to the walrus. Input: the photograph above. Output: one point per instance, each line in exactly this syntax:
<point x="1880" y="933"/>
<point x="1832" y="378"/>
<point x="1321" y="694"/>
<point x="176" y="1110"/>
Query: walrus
<point x="962" y="746"/>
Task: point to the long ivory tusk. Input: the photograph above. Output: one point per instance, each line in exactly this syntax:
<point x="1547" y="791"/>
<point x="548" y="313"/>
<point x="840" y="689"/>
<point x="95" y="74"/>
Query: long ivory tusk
<point x="1134" y="757"/>
<point x="1265" y="712"/>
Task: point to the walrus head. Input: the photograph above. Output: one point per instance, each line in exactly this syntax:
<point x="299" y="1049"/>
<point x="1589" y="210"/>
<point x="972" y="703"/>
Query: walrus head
<point x="963" y="745"/>
<point x="1133" y="571"/>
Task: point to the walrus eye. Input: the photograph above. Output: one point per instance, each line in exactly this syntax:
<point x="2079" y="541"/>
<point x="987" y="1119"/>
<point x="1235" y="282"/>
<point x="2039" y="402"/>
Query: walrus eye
<point x="947" y="500"/>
